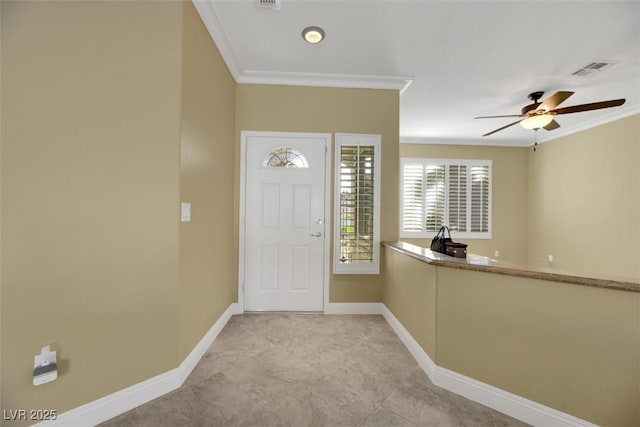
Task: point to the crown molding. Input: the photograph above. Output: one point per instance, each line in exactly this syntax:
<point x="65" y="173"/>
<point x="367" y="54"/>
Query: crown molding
<point x="213" y="23"/>
<point x="325" y="80"/>
<point x="453" y="141"/>
<point x="619" y="113"/>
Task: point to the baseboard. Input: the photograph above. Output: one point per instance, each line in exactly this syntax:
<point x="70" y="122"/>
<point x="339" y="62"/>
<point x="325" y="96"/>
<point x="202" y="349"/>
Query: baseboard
<point x="198" y="351"/>
<point x="421" y="356"/>
<point x="353" y="308"/>
<point x="117" y="403"/>
<point x="508" y="403"/>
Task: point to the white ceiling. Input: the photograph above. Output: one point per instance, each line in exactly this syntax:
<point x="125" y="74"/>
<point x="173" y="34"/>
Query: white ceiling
<point x="454" y="59"/>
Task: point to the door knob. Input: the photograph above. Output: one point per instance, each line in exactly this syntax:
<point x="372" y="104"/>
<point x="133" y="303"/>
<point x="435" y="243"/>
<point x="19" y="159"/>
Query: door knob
<point x="318" y="234"/>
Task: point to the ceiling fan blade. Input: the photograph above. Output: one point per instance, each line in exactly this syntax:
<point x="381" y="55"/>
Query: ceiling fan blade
<point x="554" y="100"/>
<point x="503" y="127"/>
<point x="551" y="126"/>
<point x="497" y="117"/>
<point x="589" y="107"/>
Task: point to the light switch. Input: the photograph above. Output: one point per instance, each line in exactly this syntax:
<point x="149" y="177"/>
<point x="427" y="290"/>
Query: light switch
<point x="185" y="212"/>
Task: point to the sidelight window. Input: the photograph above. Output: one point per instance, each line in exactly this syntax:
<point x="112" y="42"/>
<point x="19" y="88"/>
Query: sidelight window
<point x="357" y="204"/>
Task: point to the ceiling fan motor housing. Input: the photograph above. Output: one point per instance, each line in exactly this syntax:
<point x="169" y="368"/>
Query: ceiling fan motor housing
<point x="529" y="107"/>
<point x="534" y="96"/>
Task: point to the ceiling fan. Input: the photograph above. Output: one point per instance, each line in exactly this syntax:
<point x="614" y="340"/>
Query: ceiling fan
<point x="541" y="114"/>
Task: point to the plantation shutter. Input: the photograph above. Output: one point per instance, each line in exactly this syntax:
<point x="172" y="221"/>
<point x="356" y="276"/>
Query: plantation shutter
<point x="357" y="221"/>
<point x="356" y="204"/>
<point x="480" y="198"/>
<point x="458" y="198"/>
<point x="437" y="192"/>
<point x="434" y="197"/>
<point x="412" y="195"/>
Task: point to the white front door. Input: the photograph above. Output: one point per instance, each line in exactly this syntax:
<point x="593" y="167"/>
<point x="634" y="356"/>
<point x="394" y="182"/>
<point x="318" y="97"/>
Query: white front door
<point x="284" y="243"/>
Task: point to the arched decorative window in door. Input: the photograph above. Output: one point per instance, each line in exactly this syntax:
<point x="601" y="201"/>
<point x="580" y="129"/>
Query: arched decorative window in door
<point x="285" y="157"/>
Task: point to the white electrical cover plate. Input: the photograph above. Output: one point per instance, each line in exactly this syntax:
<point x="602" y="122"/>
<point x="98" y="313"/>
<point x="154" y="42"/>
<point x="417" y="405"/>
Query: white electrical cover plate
<point x="185" y="212"/>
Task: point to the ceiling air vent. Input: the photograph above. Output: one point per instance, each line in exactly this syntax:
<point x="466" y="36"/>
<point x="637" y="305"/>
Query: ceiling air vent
<point x="591" y="68"/>
<point x="269" y="4"/>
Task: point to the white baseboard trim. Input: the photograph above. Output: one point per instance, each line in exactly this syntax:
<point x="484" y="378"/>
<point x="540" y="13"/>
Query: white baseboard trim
<point x="200" y="349"/>
<point x="508" y="403"/>
<point x="353" y="308"/>
<point x="412" y="345"/>
<point x="117" y="403"/>
<point x="112" y="405"/>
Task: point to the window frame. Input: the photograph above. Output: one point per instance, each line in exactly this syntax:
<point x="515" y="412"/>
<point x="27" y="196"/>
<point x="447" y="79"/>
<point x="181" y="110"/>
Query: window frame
<point x="348" y="139"/>
<point x="424" y="162"/>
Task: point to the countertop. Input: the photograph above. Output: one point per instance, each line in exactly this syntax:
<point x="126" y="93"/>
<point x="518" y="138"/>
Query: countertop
<point x="488" y="265"/>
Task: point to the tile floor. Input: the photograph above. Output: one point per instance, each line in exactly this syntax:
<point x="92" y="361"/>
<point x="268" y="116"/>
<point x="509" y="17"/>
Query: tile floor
<point x="299" y="370"/>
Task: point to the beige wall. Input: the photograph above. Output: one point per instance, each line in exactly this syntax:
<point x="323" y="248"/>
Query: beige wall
<point x="208" y="276"/>
<point x="410" y="294"/>
<point x="509" y="221"/>
<point x="111" y="114"/>
<point x="1" y="406"/>
<point x="584" y="200"/>
<point x="331" y="110"/>
<point x="573" y="348"/>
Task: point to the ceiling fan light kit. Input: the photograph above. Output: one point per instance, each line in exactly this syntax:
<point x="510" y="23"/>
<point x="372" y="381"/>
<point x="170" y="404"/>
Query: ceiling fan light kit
<point x="541" y="114"/>
<point x="536" y="121"/>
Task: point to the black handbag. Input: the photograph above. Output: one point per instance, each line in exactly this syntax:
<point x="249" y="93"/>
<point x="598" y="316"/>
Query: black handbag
<point x="446" y="245"/>
<point x="439" y="242"/>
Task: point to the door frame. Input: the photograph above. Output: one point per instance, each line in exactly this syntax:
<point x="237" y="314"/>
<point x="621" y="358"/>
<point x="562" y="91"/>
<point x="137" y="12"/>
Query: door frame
<point x="327" y="140"/>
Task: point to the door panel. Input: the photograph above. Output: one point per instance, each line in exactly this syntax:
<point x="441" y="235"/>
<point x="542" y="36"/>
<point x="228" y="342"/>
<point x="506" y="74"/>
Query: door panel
<point x="301" y="206"/>
<point x="271" y="206"/>
<point x="269" y="268"/>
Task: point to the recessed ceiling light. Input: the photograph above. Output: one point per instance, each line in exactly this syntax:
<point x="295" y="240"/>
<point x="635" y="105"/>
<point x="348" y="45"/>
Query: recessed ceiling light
<point x="313" y="35"/>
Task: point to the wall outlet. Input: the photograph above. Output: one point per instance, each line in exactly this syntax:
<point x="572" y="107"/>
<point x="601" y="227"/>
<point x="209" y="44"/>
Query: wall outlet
<point x="550" y="258"/>
<point x="496" y="253"/>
